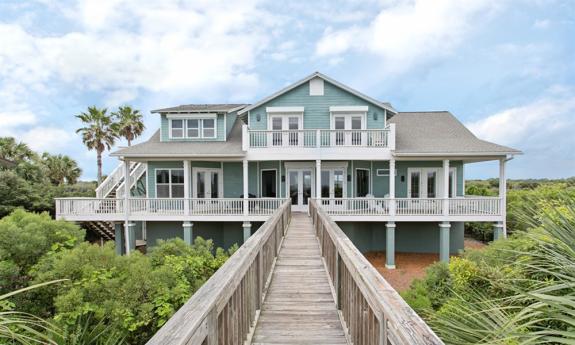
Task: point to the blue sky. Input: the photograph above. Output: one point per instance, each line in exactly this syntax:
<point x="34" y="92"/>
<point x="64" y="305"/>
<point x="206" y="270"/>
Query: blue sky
<point x="506" y="68"/>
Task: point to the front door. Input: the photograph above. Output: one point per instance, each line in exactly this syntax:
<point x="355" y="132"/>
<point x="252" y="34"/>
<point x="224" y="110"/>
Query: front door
<point x="299" y="188"/>
<point x="207" y="184"/>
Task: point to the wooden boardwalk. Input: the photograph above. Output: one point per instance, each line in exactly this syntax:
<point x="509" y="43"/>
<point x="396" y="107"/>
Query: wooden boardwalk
<point x="299" y="307"/>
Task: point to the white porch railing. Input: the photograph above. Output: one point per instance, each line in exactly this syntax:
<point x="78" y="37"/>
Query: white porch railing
<point x="468" y="206"/>
<point x="221" y="207"/>
<point x="320" y="138"/>
<point x="135" y="173"/>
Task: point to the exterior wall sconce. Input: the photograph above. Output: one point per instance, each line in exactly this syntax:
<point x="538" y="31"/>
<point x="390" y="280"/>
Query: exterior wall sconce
<point x="283" y="178"/>
<point x="375" y="115"/>
<point x="349" y="178"/>
<point x="258" y="117"/>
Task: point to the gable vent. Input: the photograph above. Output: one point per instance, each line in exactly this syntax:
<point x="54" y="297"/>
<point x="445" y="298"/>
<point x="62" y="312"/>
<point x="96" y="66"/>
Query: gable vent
<point x="316" y="87"/>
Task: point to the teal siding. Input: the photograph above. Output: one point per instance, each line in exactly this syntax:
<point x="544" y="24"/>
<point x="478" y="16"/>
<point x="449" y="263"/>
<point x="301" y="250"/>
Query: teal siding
<point x="316" y="108"/>
<point x="224" y="234"/>
<point x="410" y="237"/>
<point x="230" y="120"/>
<point x="165" y="130"/>
<point x="233" y="179"/>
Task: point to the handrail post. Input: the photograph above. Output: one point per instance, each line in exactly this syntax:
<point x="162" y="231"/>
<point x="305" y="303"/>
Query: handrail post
<point x="212" y="323"/>
<point x="317" y="138"/>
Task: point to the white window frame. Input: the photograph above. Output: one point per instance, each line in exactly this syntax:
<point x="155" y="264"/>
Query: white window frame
<point x="170" y="184"/>
<point x="438" y="181"/>
<point x="383" y="172"/>
<point x="195" y="171"/>
<point x="200" y="118"/>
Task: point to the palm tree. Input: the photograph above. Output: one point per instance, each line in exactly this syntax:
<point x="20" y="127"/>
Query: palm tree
<point x="61" y="168"/>
<point x="14" y="151"/>
<point x="130" y="124"/>
<point x="98" y="134"/>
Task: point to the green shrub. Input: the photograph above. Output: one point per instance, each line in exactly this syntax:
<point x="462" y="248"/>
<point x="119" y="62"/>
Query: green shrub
<point x="417" y="297"/>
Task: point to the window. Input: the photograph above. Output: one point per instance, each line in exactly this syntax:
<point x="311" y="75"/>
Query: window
<point x="362" y="182"/>
<point x="177" y="128"/>
<point x="208" y="128"/>
<point x="193" y="128"/>
<point x="384" y="172"/>
<point x="169" y="183"/>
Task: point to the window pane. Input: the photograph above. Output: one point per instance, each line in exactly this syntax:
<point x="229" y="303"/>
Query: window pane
<point x="178" y="176"/>
<point x="163" y="191"/>
<point x="293" y="187"/>
<point x="293" y="123"/>
<point x="177" y="191"/>
<point x="177" y="128"/>
<point x="362" y="178"/>
<point x="162" y="176"/>
<point x="356" y="122"/>
<point x="209" y="133"/>
<point x="276" y="123"/>
<point x="209" y="123"/>
<point x="193" y="128"/>
<point x="414" y="184"/>
<point x="338" y="183"/>
<point x="431" y="177"/>
<point x="200" y="186"/>
<point x="306" y="186"/>
<point x="269" y="184"/>
<point x="325" y="184"/>
<point x="215" y="189"/>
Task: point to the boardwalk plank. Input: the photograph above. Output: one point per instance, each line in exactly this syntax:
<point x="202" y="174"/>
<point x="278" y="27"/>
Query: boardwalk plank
<point x="299" y="307"/>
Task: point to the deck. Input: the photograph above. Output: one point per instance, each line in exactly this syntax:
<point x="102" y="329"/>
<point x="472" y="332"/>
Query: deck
<point x="299" y="307"/>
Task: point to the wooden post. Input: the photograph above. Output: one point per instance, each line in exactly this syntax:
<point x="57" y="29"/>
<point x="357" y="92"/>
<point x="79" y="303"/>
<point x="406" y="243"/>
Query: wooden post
<point x="390" y="245"/>
<point x="444" y="241"/>
<point x="318" y="179"/>
<point x="445" y="187"/>
<point x="213" y="326"/>
<point x="186" y="187"/>
<point x="246" y="189"/>
<point x="188" y="232"/>
<point x="392" y="204"/>
<point x="502" y="195"/>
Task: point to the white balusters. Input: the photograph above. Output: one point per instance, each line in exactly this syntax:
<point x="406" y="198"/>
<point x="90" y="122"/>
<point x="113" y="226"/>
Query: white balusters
<point x="326" y="137"/>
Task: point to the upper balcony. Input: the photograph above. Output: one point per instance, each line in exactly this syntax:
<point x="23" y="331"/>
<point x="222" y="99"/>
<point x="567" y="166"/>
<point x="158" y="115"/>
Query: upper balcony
<point x="315" y="143"/>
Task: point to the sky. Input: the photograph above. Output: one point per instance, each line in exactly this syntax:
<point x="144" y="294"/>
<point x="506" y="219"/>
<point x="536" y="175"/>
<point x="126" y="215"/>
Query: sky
<point x="505" y="68"/>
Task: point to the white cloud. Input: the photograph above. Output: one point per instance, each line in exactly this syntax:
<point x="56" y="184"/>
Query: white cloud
<point x="11" y="120"/>
<point x="537" y="122"/>
<point x="408" y="32"/>
<point x="48" y="139"/>
<point x="123" y="47"/>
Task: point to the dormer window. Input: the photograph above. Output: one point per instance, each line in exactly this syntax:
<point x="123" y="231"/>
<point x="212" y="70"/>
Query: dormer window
<point x="193" y="126"/>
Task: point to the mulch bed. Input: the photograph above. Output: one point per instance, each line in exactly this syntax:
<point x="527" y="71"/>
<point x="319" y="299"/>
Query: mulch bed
<point x="410" y="266"/>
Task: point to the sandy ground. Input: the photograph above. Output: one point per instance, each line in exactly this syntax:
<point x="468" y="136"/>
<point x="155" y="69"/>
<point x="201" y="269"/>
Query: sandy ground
<point x="409" y="265"/>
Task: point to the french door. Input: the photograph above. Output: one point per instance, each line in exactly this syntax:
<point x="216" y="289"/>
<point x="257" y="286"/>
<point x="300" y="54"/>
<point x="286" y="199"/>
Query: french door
<point x="287" y="128"/>
<point x="333" y="186"/>
<point x="299" y="188"/>
<point x="423" y="183"/>
<point x="208" y="183"/>
<point x="347" y="130"/>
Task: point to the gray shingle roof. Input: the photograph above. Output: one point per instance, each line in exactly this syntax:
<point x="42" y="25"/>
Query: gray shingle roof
<point x="195" y="108"/>
<point x="439" y="133"/>
<point x="156" y="148"/>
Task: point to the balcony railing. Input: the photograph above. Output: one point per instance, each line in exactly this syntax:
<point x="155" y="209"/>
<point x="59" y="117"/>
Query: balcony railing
<point x="319" y="138"/>
<point x="468" y="206"/>
<point x="221" y="207"/>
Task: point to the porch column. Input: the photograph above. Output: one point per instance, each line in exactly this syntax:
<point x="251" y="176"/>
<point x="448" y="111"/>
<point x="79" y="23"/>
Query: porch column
<point x="318" y="179"/>
<point x="498" y="231"/>
<point x="120" y="243"/>
<point x="186" y="187"/>
<point x="444" y="241"/>
<point x="131" y="240"/>
<point x="188" y="232"/>
<point x="247" y="226"/>
<point x="390" y="245"/>
<point x="392" y="187"/>
<point x="502" y="196"/>
<point x="446" y="187"/>
<point x="245" y="177"/>
<point x="126" y="204"/>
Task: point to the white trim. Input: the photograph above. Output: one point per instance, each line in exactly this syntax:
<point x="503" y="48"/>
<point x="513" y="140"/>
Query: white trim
<point x="383" y="172"/>
<point x="284" y="109"/>
<point x="171" y="129"/>
<point x="348" y="108"/>
<point x="300" y="165"/>
<point x="260" y="185"/>
<point x="334" y="165"/>
<point x="200" y="128"/>
<point x="347" y="121"/>
<point x="192" y="116"/>
<point x="285" y="122"/>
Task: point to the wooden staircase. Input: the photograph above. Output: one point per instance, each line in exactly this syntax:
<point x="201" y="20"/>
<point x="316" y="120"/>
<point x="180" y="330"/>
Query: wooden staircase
<point x="103" y="229"/>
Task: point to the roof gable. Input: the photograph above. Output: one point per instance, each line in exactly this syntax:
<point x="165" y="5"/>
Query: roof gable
<point x="356" y="93"/>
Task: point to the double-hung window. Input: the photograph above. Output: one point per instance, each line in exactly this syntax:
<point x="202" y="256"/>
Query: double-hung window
<point x="170" y="183"/>
<point x="196" y="128"/>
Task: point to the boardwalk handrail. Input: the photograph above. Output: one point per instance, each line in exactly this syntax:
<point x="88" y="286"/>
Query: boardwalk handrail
<point x="226" y="306"/>
<point x="373" y="312"/>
